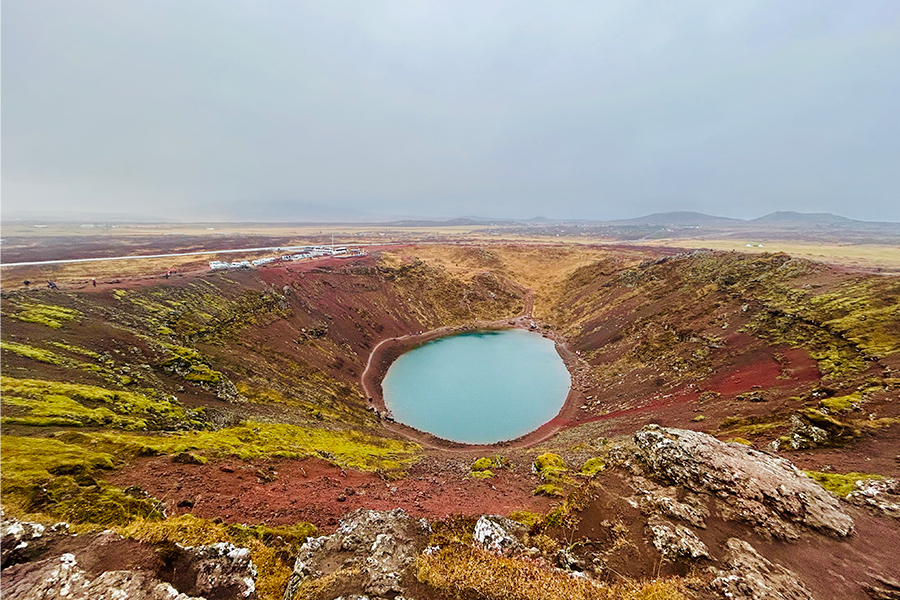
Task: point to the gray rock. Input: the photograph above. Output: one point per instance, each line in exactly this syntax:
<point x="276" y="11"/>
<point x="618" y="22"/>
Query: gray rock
<point x="498" y="534"/>
<point x="675" y="541"/>
<point x="752" y="577"/>
<point x="61" y="578"/>
<point x="383" y="545"/>
<point x="880" y="494"/>
<point x="766" y="491"/>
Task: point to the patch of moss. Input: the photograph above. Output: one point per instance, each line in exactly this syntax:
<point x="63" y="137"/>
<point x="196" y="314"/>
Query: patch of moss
<point x="57" y="478"/>
<point x="45" y="314"/>
<point x="549" y="462"/>
<point x="266" y="440"/>
<point x="527" y="518"/>
<point x="739" y="440"/>
<point x="485" y="474"/>
<point x="482" y="464"/>
<point x="837" y="483"/>
<point x="53" y="409"/>
<point x="549" y="489"/>
<point x="75" y="349"/>
<point x="55" y="399"/>
<point x="841" y="403"/>
<point x="38" y="354"/>
<point x="592" y="466"/>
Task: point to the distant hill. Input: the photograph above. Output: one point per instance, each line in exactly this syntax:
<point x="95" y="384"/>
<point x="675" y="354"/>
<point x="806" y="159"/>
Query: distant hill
<point x="679" y="218"/>
<point x="796" y="219"/>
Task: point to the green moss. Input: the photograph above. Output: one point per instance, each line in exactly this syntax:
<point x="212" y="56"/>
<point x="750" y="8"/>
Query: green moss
<point x="41" y="421"/>
<point x="549" y="461"/>
<point x="45" y="314"/>
<point x="485" y="474"/>
<point x="527" y="518"/>
<point x="839" y="484"/>
<point x="739" y="440"/>
<point x="75" y="349"/>
<point x="549" y="489"/>
<point x="265" y="440"/>
<point x="53" y="398"/>
<point x="841" y="403"/>
<point x="699" y="418"/>
<point x="53" y="409"/>
<point x="482" y="464"/>
<point x="592" y="466"/>
<point x="30" y="461"/>
<point x="38" y="354"/>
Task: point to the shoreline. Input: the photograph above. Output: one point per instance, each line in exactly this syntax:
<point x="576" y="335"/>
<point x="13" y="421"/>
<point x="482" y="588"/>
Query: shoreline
<point x="388" y="350"/>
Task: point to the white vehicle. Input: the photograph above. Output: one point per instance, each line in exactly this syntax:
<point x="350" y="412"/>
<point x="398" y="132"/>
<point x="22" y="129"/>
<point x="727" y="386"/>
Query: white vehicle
<point x="239" y="264"/>
<point x="218" y="265"/>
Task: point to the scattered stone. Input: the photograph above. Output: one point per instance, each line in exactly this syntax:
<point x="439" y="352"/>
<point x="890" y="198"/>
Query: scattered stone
<point x="675" y="541"/>
<point x="498" y="534"/>
<point x="766" y="491"/>
<point x="752" y="577"/>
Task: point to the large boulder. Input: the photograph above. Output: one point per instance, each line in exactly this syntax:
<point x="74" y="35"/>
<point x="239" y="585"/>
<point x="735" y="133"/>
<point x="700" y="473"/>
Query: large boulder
<point x="767" y="491"/>
<point x="379" y="546"/>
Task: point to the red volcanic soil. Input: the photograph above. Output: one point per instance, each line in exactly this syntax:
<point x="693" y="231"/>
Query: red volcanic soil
<point x="286" y="491"/>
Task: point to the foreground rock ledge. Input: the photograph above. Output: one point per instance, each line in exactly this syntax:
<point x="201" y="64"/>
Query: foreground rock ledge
<point x="766" y="491"/>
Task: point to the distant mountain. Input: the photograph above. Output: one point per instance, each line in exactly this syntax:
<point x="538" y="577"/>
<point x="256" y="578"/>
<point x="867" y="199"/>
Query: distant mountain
<point x="790" y="218"/>
<point x="680" y="219"/>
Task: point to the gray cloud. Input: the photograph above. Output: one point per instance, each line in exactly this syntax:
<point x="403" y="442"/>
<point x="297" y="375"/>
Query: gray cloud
<point x="448" y="108"/>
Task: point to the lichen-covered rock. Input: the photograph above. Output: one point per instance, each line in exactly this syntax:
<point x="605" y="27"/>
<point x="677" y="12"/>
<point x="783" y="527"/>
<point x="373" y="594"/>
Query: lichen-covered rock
<point x="751" y="577"/>
<point x="880" y="494"/>
<point x="766" y="491"/>
<point x="222" y="567"/>
<point x="675" y="541"/>
<point x="380" y="545"/>
<point x="60" y="578"/>
<point x="498" y="534"/>
<point x="17" y="539"/>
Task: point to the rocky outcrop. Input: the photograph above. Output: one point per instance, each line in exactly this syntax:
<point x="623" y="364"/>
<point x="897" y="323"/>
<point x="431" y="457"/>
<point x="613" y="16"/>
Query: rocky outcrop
<point x="765" y="491"/>
<point x="883" y="495"/>
<point x="751" y="577"/>
<point x="61" y="577"/>
<point x="379" y="546"/>
<point x="49" y="563"/>
<point x="498" y="534"/>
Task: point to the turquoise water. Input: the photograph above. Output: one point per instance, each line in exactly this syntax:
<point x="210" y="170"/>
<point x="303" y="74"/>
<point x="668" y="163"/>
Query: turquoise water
<point x="478" y="388"/>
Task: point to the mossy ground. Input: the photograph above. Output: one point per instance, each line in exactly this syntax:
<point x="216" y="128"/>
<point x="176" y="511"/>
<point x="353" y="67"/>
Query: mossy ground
<point x="461" y="571"/>
<point x="55" y="401"/>
<point x="840" y="484"/>
<point x="45" y="314"/>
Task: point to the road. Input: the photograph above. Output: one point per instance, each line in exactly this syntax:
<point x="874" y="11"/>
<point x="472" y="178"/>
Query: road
<point x="138" y="256"/>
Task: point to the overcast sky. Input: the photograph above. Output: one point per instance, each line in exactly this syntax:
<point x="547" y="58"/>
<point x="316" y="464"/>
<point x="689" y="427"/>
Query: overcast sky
<point x="595" y="110"/>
